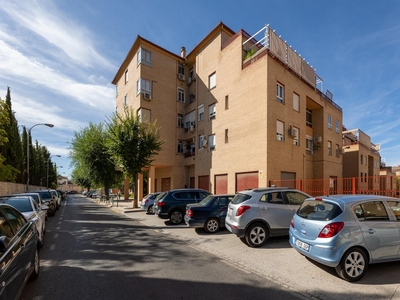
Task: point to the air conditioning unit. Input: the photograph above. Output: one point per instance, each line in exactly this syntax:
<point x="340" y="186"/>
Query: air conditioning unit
<point x="181" y="76"/>
<point x="204" y="143"/>
<point x="292" y="132"/>
<point x="191" y="128"/>
<point x="279" y="137"/>
<point x="212" y="115"/>
<point x="212" y="147"/>
<point x="317" y="139"/>
<point x="189" y="81"/>
<point x="147" y="96"/>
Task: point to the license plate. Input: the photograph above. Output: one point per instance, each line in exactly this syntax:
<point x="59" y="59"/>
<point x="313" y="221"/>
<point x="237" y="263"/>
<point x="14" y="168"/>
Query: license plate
<point x="302" y="245"/>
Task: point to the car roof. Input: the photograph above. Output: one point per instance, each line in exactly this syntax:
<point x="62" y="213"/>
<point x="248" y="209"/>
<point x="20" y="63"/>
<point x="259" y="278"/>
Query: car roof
<point x="270" y="189"/>
<point x="187" y="190"/>
<point x="348" y="199"/>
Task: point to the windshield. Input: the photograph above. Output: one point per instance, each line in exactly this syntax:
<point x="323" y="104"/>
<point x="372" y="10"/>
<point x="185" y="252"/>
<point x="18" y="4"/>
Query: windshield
<point x="206" y="200"/>
<point x="22" y="204"/>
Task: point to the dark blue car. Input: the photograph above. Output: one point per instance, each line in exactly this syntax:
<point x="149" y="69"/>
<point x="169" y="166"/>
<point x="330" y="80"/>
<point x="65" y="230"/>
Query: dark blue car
<point x="209" y="214"/>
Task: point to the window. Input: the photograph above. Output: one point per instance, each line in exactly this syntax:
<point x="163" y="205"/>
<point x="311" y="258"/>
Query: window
<point x="329" y="121"/>
<point x="144" y="57"/>
<point x="126" y="76"/>
<point x="280" y="129"/>
<point x="126" y="101"/>
<point x="181" y="123"/>
<point x="202" y="141"/>
<point x="280" y="93"/>
<point x="144" y="115"/>
<point x="329" y="148"/>
<point x="295" y="133"/>
<point x="180" y="146"/>
<point x="337" y="150"/>
<point x="201" y="113"/>
<point x="371" y="211"/>
<point x="226" y="136"/>
<point x="361" y="159"/>
<point x="226" y="102"/>
<point x="212" y="81"/>
<point x="181" y="69"/>
<point x="181" y="95"/>
<point x="143" y="86"/>
<point x="191" y="74"/>
<point x="309" y="117"/>
<point x="337" y="126"/>
<point x="309" y="144"/>
<point x="191" y="98"/>
<point x="395" y="207"/>
<point x="211" y="142"/>
<point x="211" y="111"/>
<point x="296" y="102"/>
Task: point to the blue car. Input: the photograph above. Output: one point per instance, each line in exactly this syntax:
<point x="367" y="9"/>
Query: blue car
<point x="209" y="214"/>
<point x="348" y="232"/>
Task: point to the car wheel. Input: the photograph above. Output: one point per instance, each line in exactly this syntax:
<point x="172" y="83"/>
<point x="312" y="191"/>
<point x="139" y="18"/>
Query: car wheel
<point x="212" y="225"/>
<point x="353" y="265"/>
<point x="36" y="266"/>
<point x="257" y="235"/>
<point x="176" y="217"/>
<point x="150" y="210"/>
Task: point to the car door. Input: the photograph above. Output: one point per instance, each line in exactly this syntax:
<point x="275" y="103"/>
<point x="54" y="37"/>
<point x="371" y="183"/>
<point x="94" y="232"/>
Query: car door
<point x="20" y="247"/>
<point x="380" y="233"/>
<point x="223" y="203"/>
<point x="274" y="210"/>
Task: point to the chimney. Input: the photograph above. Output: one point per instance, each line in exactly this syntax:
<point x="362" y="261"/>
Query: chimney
<point x="183" y="52"/>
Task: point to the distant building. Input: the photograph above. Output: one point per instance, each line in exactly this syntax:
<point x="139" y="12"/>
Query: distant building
<point x="361" y="161"/>
<point x="238" y="111"/>
<point x="61" y="180"/>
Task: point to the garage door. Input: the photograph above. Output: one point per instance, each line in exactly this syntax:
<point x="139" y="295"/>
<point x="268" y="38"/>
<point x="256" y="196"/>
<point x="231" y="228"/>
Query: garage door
<point x="246" y="181"/>
<point x="204" y="182"/>
<point x="221" y="184"/>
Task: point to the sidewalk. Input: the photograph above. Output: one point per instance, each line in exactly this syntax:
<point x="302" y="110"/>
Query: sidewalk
<point x="121" y="206"/>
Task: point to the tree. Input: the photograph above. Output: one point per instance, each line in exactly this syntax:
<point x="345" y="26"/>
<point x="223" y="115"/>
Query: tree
<point x="132" y="143"/>
<point x="89" y="153"/>
<point x="7" y="172"/>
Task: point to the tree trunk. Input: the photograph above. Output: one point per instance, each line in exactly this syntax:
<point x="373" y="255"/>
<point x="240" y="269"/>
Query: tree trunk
<point x="135" y="192"/>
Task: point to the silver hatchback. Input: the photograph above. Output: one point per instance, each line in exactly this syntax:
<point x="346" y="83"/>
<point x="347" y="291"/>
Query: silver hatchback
<point x="255" y="215"/>
<point x="348" y="232"/>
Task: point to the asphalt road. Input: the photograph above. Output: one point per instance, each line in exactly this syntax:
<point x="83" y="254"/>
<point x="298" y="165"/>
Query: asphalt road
<point x="93" y="252"/>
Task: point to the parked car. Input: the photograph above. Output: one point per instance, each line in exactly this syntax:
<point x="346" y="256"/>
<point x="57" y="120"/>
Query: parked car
<point x="56" y="197"/>
<point x="38" y="199"/>
<point x="31" y="211"/>
<point x="172" y="204"/>
<point x="62" y="194"/>
<point x="148" y="202"/>
<point x="49" y="200"/>
<point x="19" y="248"/>
<point x="348" y="232"/>
<point x="209" y="213"/>
<point x="255" y="215"/>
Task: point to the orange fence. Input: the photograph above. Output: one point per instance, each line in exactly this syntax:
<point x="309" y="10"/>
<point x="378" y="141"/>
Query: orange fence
<point x="376" y="185"/>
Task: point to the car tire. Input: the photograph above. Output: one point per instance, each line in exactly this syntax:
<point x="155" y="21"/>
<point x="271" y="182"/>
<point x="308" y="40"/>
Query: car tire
<point x="36" y="266"/>
<point x="212" y="225"/>
<point x="256" y="235"/>
<point x="176" y="217"/>
<point x="150" y="210"/>
<point x="353" y="265"/>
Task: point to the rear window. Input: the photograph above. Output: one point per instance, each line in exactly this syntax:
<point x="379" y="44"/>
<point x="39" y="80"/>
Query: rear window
<point x="319" y="210"/>
<point x="239" y="198"/>
<point x="23" y="205"/>
<point x="45" y="195"/>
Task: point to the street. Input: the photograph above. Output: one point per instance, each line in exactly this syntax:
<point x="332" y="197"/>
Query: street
<point x="94" y="252"/>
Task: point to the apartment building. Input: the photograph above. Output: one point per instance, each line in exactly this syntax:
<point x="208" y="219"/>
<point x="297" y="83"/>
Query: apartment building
<point x="238" y="111"/>
<point x="361" y="162"/>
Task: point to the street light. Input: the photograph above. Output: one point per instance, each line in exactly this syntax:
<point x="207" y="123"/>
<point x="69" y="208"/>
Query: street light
<point x="27" y="151"/>
<point x="47" y="185"/>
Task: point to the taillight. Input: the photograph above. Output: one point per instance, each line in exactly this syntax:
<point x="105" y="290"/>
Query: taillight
<point x="189" y="213"/>
<point x="292" y="223"/>
<point x="161" y="203"/>
<point x="241" y="210"/>
<point x="331" y="230"/>
<point x="145" y="200"/>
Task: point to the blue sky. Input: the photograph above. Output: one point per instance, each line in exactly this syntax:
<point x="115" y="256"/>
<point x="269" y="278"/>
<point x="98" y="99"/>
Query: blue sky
<point x="59" y="57"/>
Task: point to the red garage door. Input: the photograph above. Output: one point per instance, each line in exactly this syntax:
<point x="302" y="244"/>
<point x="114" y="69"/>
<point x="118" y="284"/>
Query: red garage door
<point x="221" y="184"/>
<point x="246" y="181"/>
<point x="204" y="182"/>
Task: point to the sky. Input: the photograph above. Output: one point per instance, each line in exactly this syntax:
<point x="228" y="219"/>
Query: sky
<point x="59" y="56"/>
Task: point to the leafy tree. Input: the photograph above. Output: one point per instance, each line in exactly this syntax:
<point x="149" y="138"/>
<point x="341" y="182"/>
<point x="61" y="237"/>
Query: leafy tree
<point x="89" y="153"/>
<point x="132" y="143"/>
<point x="7" y="172"/>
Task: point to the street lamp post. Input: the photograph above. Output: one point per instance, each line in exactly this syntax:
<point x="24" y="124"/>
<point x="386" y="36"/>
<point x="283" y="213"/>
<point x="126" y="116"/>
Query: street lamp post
<point x="47" y="185"/>
<point x="27" y="151"/>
